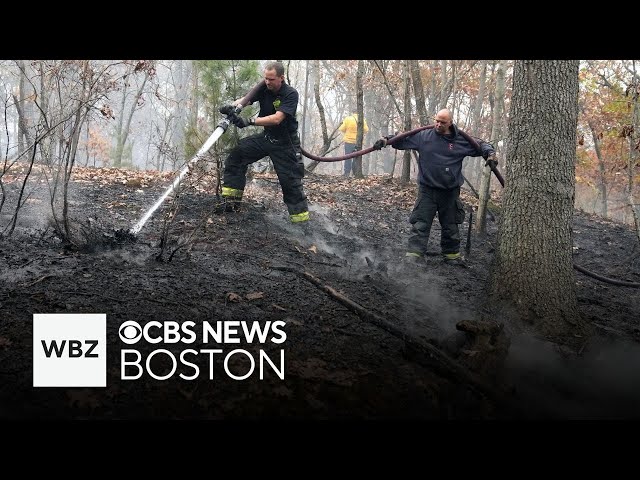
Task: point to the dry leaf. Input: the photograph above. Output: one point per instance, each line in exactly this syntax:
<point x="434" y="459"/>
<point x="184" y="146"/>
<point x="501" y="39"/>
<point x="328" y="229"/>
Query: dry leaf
<point x="313" y="249"/>
<point x="233" y="297"/>
<point x="254" y="295"/>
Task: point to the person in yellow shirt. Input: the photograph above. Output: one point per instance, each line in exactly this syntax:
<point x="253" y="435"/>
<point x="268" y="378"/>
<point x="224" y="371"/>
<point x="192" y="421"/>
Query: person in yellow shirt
<point x="349" y="128"/>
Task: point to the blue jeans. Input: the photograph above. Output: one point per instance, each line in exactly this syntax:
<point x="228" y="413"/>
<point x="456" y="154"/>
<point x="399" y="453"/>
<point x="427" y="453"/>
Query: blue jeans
<point x="348" y="148"/>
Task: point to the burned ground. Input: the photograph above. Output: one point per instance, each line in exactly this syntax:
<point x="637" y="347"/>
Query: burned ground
<point x="340" y="361"/>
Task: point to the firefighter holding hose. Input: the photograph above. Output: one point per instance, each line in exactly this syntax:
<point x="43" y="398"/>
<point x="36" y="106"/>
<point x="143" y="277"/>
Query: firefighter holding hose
<point x="279" y="140"/>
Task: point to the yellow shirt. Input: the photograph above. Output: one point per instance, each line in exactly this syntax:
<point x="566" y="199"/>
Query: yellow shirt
<point x="350" y="128"/>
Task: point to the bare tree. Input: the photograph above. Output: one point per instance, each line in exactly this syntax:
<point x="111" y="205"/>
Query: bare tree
<point x="124" y="123"/>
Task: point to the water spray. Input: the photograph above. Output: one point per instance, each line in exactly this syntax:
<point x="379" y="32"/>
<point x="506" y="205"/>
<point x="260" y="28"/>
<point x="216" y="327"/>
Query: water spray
<point x="217" y="133"/>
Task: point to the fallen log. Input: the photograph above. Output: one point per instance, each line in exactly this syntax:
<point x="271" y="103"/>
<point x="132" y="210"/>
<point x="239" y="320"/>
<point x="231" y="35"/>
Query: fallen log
<point x="429" y="355"/>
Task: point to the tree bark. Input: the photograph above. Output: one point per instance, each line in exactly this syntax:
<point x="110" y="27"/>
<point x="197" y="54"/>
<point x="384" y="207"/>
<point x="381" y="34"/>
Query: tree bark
<point x="533" y="267"/>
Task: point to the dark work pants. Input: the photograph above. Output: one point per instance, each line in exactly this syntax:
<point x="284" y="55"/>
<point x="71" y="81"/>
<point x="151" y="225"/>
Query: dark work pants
<point x="450" y="213"/>
<point x="287" y="161"/>
<point x="348" y="148"/>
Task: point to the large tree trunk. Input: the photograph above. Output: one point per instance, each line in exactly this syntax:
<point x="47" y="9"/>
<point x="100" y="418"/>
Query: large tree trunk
<point x="533" y="266"/>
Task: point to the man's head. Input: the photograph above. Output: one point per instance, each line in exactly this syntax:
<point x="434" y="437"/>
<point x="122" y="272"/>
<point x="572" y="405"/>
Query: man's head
<point x="443" y="121"/>
<point x="274" y="75"/>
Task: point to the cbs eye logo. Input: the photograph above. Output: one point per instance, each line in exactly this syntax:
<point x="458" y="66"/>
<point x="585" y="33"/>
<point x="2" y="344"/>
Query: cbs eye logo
<point x="130" y="332"/>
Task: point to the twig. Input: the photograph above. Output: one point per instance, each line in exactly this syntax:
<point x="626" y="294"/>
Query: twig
<point x="27" y="285"/>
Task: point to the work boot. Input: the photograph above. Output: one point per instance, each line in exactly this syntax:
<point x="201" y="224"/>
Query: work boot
<point x="455" y="259"/>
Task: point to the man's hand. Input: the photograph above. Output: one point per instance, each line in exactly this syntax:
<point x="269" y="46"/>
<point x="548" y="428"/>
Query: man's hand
<point x="491" y="159"/>
<point x="243" y="122"/>
<point x="227" y="109"/>
<point x="380" y="144"/>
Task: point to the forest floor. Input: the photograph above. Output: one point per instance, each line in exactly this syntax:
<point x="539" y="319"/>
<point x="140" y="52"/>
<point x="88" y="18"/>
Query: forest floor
<point x="368" y="336"/>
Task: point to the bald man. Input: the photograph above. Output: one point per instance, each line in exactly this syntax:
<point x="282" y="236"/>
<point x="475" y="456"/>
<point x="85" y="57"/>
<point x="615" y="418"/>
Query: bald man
<point x="441" y="150"/>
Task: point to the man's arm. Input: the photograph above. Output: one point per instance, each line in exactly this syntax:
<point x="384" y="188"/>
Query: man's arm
<point x="487" y="150"/>
<point x="271" y="120"/>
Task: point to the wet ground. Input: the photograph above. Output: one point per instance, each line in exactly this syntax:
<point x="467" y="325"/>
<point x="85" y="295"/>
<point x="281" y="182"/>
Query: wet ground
<point x="363" y="328"/>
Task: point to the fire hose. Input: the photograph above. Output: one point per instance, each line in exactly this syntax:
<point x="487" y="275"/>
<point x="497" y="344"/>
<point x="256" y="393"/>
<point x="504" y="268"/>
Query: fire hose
<point x="232" y="114"/>
<point x="491" y="163"/>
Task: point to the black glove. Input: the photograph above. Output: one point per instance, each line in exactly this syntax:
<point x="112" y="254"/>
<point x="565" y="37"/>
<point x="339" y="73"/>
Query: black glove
<point x="243" y="122"/>
<point x="227" y="109"/>
<point x="489" y="151"/>
<point x="380" y="143"/>
<point x="491" y="159"/>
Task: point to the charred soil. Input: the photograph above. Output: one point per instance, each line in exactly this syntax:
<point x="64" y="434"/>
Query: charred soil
<point x="368" y="361"/>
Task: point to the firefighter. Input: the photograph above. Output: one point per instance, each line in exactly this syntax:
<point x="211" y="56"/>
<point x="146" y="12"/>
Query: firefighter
<point x="279" y="140"/>
<point x="441" y="151"/>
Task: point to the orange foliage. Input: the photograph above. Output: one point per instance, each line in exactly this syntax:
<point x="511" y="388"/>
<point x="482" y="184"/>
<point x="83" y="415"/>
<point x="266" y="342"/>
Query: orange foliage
<point x="98" y="148"/>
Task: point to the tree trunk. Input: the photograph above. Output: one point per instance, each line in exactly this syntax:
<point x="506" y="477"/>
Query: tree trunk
<point x="326" y="138"/>
<point x="418" y="92"/>
<point x="22" y="121"/>
<point x="305" y="104"/>
<point x="602" y="185"/>
<point x="433" y="95"/>
<point x="473" y="165"/>
<point x="406" y="159"/>
<point x="180" y="116"/>
<point x="634" y="144"/>
<point x="357" y="161"/>
<point x="533" y="268"/>
<point x="496" y="133"/>
<point x="193" y="112"/>
<point x="123" y="131"/>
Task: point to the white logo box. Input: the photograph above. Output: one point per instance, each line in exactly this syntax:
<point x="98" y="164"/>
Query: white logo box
<point x="76" y="344"/>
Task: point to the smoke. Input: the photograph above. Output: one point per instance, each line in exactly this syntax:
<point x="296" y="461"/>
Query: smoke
<point x="602" y="383"/>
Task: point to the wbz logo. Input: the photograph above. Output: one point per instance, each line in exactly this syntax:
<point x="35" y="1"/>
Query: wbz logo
<point x="69" y="350"/>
